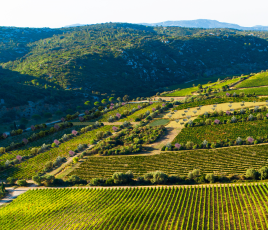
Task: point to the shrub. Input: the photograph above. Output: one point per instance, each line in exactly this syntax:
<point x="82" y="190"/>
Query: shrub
<point x="208" y="121"/>
<point x="48" y="180"/>
<point x="159" y="178"/>
<point x="210" y="177"/>
<point x="22" y="182"/>
<point x="263" y="172"/>
<point x="96" y="181"/>
<point x="75" y="160"/>
<point x="11" y="180"/>
<point x="252" y="173"/>
<point x="74" y="179"/>
<point x="48" y="165"/>
<point x="37" y="180"/>
<point x="2" y="150"/>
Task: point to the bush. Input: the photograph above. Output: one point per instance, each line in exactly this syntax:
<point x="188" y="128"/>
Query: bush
<point x="210" y="177"/>
<point x="49" y="165"/>
<point x="73" y="179"/>
<point x="11" y="180"/>
<point x="252" y="173"/>
<point x="75" y="160"/>
<point x="263" y="172"/>
<point x="37" y="180"/>
<point x="22" y="182"/>
<point x="48" y="180"/>
<point x="159" y="178"/>
<point x="97" y="181"/>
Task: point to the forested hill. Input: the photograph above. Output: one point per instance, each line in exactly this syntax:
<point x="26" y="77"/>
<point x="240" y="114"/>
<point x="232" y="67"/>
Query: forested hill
<point x="126" y="58"/>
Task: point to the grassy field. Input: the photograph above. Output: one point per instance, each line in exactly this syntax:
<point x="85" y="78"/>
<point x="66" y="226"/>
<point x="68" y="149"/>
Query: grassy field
<point x="159" y="122"/>
<point x="258" y="91"/>
<point x="225" y="160"/>
<point x="234" y="207"/>
<point x="35" y="165"/>
<point x="141" y="111"/>
<point x="259" y="79"/>
<point x="189" y="91"/>
<point x="232" y="131"/>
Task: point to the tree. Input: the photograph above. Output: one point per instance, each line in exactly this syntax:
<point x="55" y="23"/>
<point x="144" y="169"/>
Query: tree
<point x="23" y="121"/>
<point x="11" y="180"/>
<point x="75" y="160"/>
<point x="119" y="99"/>
<point x="36" y="117"/>
<point x="47" y="115"/>
<point x="3" y="190"/>
<point x="96" y="103"/>
<point x="263" y="172"/>
<point x="210" y="177"/>
<point x="74" y="179"/>
<point x="126" y="98"/>
<point x="87" y="103"/>
<point x="199" y="86"/>
<point x="159" y="178"/>
<point x="252" y="173"/>
<point x="111" y="99"/>
<point x="37" y="180"/>
<point x="104" y="101"/>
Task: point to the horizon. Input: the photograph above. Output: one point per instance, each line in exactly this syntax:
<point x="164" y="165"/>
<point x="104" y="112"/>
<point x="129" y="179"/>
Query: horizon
<point x="63" y="13"/>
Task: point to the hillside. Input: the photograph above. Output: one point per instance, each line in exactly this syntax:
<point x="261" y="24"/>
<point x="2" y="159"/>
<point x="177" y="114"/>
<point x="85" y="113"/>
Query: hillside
<point x="125" y="58"/>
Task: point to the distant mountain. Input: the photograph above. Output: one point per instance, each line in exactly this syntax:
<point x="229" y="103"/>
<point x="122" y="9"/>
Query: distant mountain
<point x="75" y="25"/>
<point x="206" y="24"/>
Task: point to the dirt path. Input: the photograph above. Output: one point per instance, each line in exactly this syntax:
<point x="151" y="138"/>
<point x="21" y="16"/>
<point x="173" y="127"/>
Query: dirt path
<point x="14" y="193"/>
<point x="168" y="137"/>
<point x="169" y="98"/>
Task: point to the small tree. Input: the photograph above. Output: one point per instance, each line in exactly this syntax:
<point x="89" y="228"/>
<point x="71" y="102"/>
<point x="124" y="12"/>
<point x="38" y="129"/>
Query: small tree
<point x="37" y="180"/>
<point x="263" y="172"/>
<point x="159" y="178"/>
<point x="252" y="173"/>
<point x="74" y="179"/>
<point x="210" y="177"/>
<point x="75" y="160"/>
<point x="22" y="182"/>
<point x="111" y="99"/>
<point x="11" y="180"/>
<point x="96" y="103"/>
<point x="104" y="101"/>
<point x="36" y="117"/>
<point x="87" y="103"/>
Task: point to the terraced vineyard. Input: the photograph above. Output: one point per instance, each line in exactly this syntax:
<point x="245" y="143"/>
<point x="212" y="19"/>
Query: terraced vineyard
<point x="35" y="165"/>
<point x="224" y="207"/>
<point x="259" y="79"/>
<point x="258" y="91"/>
<point x="233" y="160"/>
<point x="120" y="110"/>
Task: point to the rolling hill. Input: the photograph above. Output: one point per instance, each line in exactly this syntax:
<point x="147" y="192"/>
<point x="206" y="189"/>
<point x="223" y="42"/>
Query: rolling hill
<point x="123" y="58"/>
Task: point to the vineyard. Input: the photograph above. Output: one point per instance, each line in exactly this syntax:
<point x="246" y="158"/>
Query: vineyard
<point x="232" y="131"/>
<point x="213" y="207"/>
<point x="35" y="165"/>
<point x="235" y="160"/>
<point x="120" y="110"/>
<point x="259" y="79"/>
<point x="256" y="91"/>
<point x="189" y="91"/>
